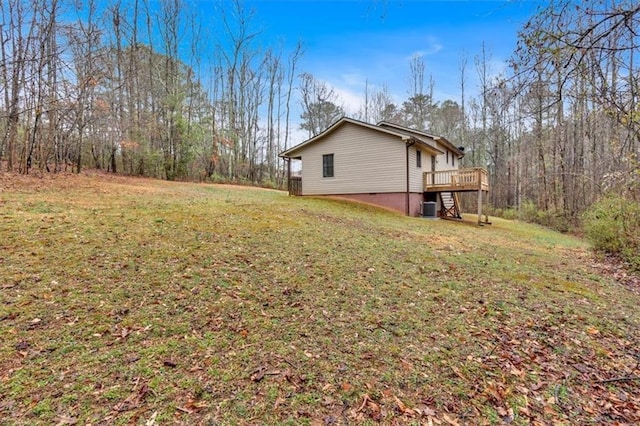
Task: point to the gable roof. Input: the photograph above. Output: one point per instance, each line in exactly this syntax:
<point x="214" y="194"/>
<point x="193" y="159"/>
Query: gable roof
<point x="409" y="131"/>
<point x="402" y="133"/>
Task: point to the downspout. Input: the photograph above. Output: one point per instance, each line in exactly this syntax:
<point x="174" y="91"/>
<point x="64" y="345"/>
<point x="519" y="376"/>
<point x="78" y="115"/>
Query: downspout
<point x="408" y="143"/>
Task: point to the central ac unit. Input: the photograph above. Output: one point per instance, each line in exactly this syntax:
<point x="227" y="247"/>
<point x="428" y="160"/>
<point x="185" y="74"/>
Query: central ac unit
<point x="429" y="210"/>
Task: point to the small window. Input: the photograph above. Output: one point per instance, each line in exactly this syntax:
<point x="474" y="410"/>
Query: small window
<point x="327" y="165"/>
<point x="419" y="159"/>
<point x="447" y="157"/>
<point x="453" y="160"/>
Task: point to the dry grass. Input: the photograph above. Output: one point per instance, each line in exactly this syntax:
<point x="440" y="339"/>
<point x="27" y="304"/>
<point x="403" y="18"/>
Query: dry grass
<point x="139" y="301"/>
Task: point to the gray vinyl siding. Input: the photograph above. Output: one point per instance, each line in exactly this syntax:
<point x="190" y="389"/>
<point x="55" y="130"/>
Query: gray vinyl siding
<point x="441" y="160"/>
<point x="415" y="173"/>
<point x="364" y="161"/>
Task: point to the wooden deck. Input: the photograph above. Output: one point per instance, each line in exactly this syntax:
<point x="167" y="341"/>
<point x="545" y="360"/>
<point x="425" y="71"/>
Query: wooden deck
<point x="474" y="179"/>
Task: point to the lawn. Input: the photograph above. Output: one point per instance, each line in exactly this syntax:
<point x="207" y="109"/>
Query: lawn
<point x="136" y="301"/>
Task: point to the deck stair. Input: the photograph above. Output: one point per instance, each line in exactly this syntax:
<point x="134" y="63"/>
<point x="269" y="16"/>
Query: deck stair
<point x="450" y="205"/>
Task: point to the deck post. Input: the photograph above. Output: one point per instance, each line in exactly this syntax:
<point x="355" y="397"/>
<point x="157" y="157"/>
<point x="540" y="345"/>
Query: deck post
<point x="288" y="160"/>
<point x="480" y="207"/>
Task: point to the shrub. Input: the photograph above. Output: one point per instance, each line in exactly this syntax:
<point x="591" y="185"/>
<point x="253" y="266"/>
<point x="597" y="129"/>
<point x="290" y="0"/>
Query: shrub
<point x="613" y="225"/>
<point x="553" y="219"/>
<point x="510" y="214"/>
<point x="529" y="212"/>
<point x="271" y="184"/>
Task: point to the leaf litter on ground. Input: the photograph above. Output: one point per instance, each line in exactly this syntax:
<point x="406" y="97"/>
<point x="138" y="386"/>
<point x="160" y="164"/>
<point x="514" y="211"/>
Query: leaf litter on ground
<point x="131" y="300"/>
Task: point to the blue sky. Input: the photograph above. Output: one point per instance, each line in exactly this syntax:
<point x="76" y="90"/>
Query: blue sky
<point x="350" y="42"/>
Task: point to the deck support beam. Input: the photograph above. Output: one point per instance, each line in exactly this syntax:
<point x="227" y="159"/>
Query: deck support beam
<point x="480" y="207"/>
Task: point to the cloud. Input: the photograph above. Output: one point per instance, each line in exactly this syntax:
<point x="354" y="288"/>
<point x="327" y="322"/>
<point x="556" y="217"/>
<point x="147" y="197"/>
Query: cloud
<point x="376" y="59"/>
<point x="350" y="100"/>
<point x="349" y="90"/>
<point x="433" y="46"/>
<point x="354" y="79"/>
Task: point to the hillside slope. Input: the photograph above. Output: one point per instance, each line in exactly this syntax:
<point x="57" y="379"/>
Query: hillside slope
<point x="139" y="301"/>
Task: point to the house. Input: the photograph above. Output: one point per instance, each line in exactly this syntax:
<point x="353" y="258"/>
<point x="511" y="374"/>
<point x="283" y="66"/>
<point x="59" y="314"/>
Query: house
<point x="384" y="164"/>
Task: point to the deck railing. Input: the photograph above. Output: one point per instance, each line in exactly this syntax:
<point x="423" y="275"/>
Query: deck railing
<point x="473" y="179"/>
<point x="295" y="185"/>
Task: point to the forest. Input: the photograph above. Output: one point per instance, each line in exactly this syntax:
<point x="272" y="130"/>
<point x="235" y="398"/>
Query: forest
<point x="131" y="88"/>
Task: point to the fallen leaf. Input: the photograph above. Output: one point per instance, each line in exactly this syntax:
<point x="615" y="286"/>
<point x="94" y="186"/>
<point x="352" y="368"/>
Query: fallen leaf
<point x="185" y="410"/>
<point x="425" y="411"/>
<point x="450" y="420"/>
<point x="365" y="399"/>
<point x="66" y="420"/>
<point x="279" y="402"/>
<point x="258" y="374"/>
<point x="152" y="419"/>
<point x="457" y="371"/>
<point x="195" y="406"/>
<point x="516" y="372"/>
<point x="346" y="387"/>
<point x="402" y="407"/>
<point x="330" y="420"/>
<point x="406" y="364"/>
<point x="22" y="346"/>
<point x="581" y="368"/>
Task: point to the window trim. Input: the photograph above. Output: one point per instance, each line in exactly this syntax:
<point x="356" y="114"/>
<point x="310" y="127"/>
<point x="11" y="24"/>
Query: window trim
<point x="328" y="169"/>
<point x="418" y="158"/>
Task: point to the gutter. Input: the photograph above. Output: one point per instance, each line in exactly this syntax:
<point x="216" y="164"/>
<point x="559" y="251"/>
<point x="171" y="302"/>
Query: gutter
<point x="409" y="142"/>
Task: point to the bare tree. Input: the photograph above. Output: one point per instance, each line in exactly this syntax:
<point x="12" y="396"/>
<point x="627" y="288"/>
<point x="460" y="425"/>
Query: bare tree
<point x="319" y="105"/>
<point x="418" y="109"/>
